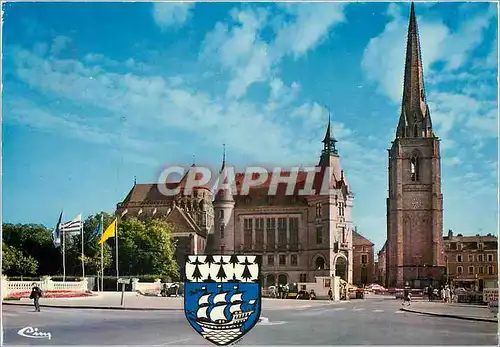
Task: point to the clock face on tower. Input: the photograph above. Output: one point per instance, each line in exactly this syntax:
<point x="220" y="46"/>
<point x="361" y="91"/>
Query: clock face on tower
<point x="416" y="203"/>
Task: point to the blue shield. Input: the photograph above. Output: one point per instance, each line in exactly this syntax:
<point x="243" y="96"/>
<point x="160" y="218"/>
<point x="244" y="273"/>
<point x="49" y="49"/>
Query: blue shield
<point x="222" y="295"/>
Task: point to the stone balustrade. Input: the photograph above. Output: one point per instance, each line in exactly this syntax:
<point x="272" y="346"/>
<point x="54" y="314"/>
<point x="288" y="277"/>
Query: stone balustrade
<point x="46" y="283"/>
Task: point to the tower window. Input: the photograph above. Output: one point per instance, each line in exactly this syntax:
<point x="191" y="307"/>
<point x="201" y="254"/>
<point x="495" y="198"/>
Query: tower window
<point x="414" y="169"/>
<point x="318" y="210"/>
<point x="222" y="231"/>
<point x="221" y="214"/>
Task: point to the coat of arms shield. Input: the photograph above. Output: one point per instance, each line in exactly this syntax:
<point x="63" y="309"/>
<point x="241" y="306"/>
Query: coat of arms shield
<point x="222" y="295"/>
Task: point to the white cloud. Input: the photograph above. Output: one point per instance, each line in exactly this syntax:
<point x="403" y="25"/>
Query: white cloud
<point x="172" y="14"/>
<point x="240" y="49"/>
<point x="59" y="43"/>
<point x="383" y="59"/>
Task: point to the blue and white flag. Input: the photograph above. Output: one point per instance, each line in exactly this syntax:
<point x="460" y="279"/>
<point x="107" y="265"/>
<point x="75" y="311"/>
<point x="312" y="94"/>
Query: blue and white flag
<point x="72" y="226"/>
<point x="97" y="231"/>
<point x="56" y="234"/>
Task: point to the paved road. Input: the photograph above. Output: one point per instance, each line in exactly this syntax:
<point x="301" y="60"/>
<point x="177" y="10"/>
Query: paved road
<point x="354" y="323"/>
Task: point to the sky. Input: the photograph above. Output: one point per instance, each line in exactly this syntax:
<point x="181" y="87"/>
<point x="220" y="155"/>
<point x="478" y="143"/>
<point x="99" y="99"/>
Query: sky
<point x="96" y="94"/>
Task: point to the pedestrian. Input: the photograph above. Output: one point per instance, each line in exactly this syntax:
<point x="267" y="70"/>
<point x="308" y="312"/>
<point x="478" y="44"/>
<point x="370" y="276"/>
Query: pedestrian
<point x="448" y="294"/>
<point x="406" y="296"/>
<point x="36" y="294"/>
<point x="330" y="294"/>
<point x="430" y="291"/>
<point x="442" y="294"/>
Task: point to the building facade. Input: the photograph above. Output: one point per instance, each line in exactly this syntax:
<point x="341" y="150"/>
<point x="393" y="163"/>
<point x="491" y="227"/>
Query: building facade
<point x="471" y="261"/>
<point x="363" y="260"/>
<point x="299" y="236"/>
<point x="381" y="265"/>
<point x="415" y="203"/>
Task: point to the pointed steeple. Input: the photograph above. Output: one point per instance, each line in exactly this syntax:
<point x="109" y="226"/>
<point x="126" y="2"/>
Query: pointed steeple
<point x="223" y="158"/>
<point x="414" y="108"/>
<point x="223" y="194"/>
<point x="329" y="141"/>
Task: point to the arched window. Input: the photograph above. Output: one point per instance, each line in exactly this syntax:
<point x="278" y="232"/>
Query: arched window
<point x="320" y="263"/>
<point x="415" y="130"/>
<point x="414" y="169"/>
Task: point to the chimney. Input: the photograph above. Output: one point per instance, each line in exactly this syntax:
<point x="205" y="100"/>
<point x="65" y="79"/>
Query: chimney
<point x="450" y="233"/>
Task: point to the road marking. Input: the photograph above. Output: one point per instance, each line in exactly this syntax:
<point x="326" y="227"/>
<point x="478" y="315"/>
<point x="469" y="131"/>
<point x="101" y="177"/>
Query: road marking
<point x="176" y="341"/>
<point x="378" y="311"/>
<point x="338" y="309"/>
<point x="358" y="309"/>
<point x="399" y="311"/>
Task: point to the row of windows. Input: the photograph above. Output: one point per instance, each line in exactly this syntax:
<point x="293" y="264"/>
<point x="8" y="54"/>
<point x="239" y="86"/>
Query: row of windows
<point x="480" y="270"/>
<point x="460" y="246"/>
<point x="479" y="258"/>
<point x="294" y="260"/>
<point x="320" y="237"/>
<point x="340" y="207"/>
<point x="269" y="224"/>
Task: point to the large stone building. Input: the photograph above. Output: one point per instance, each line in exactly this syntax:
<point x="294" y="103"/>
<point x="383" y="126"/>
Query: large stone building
<point x="471" y="261"/>
<point x="363" y="260"/>
<point x="415" y="202"/>
<point x="298" y="236"/>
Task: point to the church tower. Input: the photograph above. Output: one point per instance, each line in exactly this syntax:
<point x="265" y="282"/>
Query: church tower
<point x="415" y="202"/>
<point x="223" y="237"/>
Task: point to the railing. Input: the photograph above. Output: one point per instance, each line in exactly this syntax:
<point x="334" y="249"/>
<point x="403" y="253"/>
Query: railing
<point x="46" y="283"/>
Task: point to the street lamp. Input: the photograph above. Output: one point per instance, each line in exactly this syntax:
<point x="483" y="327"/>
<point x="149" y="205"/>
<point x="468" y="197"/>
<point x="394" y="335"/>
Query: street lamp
<point x="447" y="272"/>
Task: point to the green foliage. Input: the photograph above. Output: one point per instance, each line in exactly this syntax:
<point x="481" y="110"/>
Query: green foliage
<point x="15" y="261"/>
<point x="146" y="248"/>
<point x="34" y="240"/>
<point x="92" y="250"/>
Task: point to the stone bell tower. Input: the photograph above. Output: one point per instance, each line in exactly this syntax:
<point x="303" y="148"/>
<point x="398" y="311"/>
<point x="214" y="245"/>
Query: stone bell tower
<point x="415" y="202"/>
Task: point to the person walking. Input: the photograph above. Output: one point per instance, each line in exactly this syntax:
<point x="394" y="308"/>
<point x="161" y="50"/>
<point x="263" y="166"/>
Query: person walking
<point x="36" y="294"/>
<point x="430" y="292"/>
<point x="406" y="296"/>
<point x="330" y="294"/>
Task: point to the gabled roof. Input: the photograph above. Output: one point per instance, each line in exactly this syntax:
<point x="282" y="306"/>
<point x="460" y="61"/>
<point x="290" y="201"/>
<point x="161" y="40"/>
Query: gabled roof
<point x="177" y="216"/>
<point x="358" y="239"/>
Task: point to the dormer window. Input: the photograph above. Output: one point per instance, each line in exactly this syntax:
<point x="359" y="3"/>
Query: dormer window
<point x="479" y="245"/>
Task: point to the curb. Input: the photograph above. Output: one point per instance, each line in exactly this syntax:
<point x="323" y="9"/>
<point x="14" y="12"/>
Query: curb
<point x="117" y="308"/>
<point x="450" y="316"/>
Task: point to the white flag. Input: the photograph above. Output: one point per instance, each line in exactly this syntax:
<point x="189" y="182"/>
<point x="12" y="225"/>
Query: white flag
<point x="74" y="225"/>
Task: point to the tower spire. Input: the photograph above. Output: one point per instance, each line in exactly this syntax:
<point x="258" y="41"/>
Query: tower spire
<point x="223" y="157"/>
<point x="414" y="110"/>
<point x="329" y="140"/>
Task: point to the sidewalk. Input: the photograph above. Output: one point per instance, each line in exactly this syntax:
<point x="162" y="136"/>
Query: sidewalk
<point x="458" y="311"/>
<point x="112" y="301"/>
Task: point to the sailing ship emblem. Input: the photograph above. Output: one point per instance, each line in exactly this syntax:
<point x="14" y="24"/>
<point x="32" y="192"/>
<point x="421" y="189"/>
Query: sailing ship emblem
<point x="222" y="296"/>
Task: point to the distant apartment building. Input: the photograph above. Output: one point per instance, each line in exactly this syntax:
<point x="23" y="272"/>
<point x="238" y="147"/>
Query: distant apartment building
<point x="471" y="261"/>
<point x="363" y="260"/>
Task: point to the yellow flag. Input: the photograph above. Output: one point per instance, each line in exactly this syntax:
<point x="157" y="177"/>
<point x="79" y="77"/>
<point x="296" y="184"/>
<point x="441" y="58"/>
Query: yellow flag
<point x="110" y="232"/>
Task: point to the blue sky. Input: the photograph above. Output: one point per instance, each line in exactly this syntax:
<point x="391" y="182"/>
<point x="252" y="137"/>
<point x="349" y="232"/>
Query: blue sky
<point x="97" y="93"/>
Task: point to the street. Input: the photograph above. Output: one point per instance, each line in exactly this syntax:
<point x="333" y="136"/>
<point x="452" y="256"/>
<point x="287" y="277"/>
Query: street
<point x="360" y="322"/>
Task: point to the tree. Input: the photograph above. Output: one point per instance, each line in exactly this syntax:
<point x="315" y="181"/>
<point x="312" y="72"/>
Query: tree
<point x="92" y="250"/>
<point x="14" y="261"/>
<point x="36" y="242"/>
<point x="146" y="247"/>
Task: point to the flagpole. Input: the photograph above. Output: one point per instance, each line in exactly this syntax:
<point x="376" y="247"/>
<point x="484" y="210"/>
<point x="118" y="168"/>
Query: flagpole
<point x="116" y="255"/>
<point x="64" y="254"/>
<point x="83" y="253"/>
<point x="102" y="255"/>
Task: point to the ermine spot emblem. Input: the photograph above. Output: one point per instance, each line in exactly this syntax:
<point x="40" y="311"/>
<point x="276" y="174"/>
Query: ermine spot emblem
<point x="222" y="296"/>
